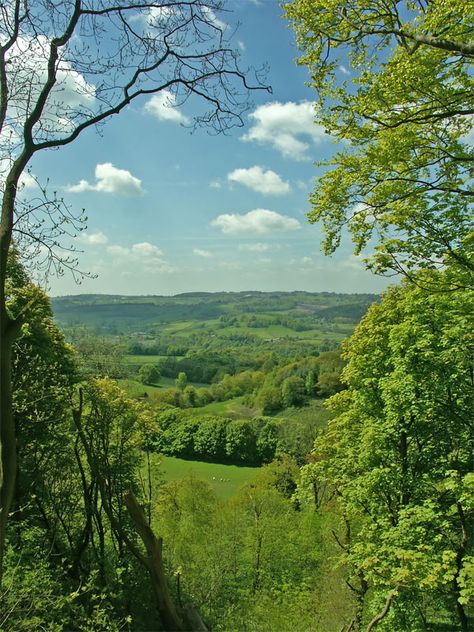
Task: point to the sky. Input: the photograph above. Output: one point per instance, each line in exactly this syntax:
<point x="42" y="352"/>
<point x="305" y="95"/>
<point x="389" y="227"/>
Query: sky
<point x="171" y="211"/>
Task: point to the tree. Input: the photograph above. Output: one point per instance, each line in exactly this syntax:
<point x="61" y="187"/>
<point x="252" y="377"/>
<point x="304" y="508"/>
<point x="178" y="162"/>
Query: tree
<point x="399" y="455"/>
<point x="293" y="392"/>
<point x="241" y="441"/>
<point x="68" y="67"/>
<point x="181" y="381"/>
<point x="149" y="374"/>
<point x="189" y="397"/>
<point x="269" y="399"/>
<point x="403" y="178"/>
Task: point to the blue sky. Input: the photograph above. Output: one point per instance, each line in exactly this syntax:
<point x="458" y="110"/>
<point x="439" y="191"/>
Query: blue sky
<point x="170" y="211"/>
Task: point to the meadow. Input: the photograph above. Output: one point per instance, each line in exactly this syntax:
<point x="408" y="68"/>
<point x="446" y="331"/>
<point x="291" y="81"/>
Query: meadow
<point x="225" y="480"/>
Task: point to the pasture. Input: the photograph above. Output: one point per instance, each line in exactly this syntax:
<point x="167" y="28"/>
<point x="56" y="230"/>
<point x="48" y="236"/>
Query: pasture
<point x="225" y="480"/>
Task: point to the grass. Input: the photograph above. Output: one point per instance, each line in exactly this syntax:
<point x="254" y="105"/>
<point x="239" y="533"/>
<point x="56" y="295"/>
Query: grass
<point x="313" y="412"/>
<point x="228" y="408"/>
<point x="225" y="480"/>
<point x="139" y="360"/>
<point x="133" y="388"/>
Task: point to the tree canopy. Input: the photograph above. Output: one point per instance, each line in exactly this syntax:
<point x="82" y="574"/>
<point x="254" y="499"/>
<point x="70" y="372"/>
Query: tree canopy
<point x="399" y="453"/>
<point x="394" y="84"/>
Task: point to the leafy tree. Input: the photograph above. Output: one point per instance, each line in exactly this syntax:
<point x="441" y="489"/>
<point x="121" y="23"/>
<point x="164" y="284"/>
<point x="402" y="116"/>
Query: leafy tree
<point x="267" y="439"/>
<point x="241" y="441"/>
<point x="149" y="374"/>
<point x="293" y="391"/>
<point x="403" y="176"/>
<point x="181" y="381"/>
<point x="399" y="455"/>
<point x="189" y="397"/>
<point x="269" y="399"/>
<point x="311" y="382"/>
<point x="210" y="438"/>
<point x="329" y="384"/>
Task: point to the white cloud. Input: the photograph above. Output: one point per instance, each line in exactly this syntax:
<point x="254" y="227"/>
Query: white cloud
<point x="215" y="184"/>
<point x="213" y="19"/>
<point x="149" y="257"/>
<point x="282" y="125"/>
<point x="202" y="253"/>
<point x="146" y="249"/>
<point x="344" y="70"/>
<point x="258" y="247"/>
<point x="94" y="239"/>
<point x="109" y="180"/>
<point x="118" y="251"/>
<point x="241" y="45"/>
<point x="259" y="221"/>
<point x="255" y="178"/>
<point x="163" y="106"/>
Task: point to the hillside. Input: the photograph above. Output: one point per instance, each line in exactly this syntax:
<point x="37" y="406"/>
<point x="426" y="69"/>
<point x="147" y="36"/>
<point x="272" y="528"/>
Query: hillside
<point x="114" y="313"/>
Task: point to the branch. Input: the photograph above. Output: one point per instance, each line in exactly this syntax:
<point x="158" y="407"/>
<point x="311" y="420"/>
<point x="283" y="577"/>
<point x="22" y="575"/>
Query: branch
<point x="381" y="615"/>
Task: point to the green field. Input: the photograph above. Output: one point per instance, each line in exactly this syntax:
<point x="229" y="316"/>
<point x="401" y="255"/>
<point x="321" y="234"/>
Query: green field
<point x="136" y="389"/>
<point x="224" y="479"/>
<point x="139" y="360"/>
<point x="228" y="408"/>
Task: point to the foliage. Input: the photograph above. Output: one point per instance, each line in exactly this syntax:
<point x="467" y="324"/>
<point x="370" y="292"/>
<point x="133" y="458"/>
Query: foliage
<point x="181" y="381"/>
<point x="402" y="180"/>
<point x="293" y="391"/>
<point x="149" y="374"/>
<point x="399" y="451"/>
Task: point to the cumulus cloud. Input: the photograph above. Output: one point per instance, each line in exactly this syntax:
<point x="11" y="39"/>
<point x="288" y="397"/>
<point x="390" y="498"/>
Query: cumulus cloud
<point x="283" y="125"/>
<point x="163" y="106"/>
<point x="110" y="179"/>
<point x="147" y="255"/>
<point x="202" y="253"/>
<point x="255" y="178"/>
<point x="94" y="239"/>
<point x="257" y="247"/>
<point x="259" y="221"/>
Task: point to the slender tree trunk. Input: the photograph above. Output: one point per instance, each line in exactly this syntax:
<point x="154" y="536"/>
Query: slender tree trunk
<point x="154" y="564"/>
<point x="8" y="459"/>
<point x="463" y="620"/>
<point x="9" y="330"/>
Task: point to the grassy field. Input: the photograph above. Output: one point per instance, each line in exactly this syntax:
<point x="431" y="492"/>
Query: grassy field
<point x="314" y="411"/>
<point x="224" y="479"/>
<point x="136" y="389"/>
<point x="228" y="408"/>
<point x="139" y="360"/>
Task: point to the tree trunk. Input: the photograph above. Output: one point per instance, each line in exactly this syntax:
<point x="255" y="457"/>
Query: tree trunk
<point x="154" y="563"/>
<point x="9" y="330"/>
<point x="8" y="458"/>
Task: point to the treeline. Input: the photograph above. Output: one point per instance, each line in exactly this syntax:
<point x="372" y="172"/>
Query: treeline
<point x="271" y="389"/>
<point x="220" y="439"/>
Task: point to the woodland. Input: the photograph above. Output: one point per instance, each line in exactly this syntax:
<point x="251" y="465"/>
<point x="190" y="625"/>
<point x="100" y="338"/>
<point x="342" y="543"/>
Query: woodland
<point x="348" y="417"/>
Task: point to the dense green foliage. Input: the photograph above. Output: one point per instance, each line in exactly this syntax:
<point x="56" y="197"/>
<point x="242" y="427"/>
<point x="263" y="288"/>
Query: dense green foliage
<point x="402" y="179"/>
<point x="399" y="455"/>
